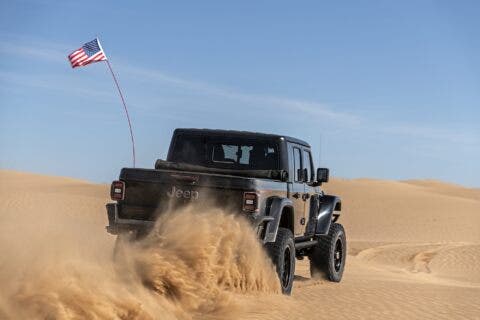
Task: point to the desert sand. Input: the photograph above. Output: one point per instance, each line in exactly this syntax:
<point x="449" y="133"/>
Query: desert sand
<point x="414" y="253"/>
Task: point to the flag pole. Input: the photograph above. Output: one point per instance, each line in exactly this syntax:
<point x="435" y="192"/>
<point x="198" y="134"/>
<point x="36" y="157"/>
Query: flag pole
<point x="126" y="110"/>
<point x="124" y="104"/>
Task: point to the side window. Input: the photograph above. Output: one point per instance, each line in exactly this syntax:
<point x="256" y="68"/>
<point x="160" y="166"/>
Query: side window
<point x="308" y="164"/>
<point x="297" y="162"/>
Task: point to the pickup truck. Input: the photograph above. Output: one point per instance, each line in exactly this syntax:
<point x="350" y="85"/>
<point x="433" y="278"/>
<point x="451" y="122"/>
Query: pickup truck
<point x="270" y="179"/>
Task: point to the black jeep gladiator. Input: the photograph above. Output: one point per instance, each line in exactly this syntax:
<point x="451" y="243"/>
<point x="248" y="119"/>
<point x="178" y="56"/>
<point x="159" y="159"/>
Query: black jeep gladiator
<point x="270" y="179"/>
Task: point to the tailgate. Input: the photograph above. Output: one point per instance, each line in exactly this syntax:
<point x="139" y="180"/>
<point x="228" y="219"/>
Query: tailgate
<point x="149" y="193"/>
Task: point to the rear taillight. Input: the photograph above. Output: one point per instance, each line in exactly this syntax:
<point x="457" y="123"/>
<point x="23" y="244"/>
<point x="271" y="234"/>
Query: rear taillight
<point x="250" y="201"/>
<point x="117" y="190"/>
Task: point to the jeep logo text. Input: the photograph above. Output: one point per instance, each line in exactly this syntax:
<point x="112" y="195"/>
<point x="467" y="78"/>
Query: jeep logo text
<point x="185" y="194"/>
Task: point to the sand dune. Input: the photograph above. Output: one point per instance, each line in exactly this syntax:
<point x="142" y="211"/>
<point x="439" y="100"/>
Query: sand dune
<point x="414" y="253"/>
<point x="422" y="211"/>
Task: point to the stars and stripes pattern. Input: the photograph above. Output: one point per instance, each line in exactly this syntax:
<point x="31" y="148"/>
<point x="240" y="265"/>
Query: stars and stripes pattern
<point x="90" y="52"/>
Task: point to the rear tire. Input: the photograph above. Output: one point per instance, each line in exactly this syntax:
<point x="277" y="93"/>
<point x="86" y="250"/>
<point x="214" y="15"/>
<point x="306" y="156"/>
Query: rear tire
<point x="329" y="255"/>
<point x="282" y="253"/>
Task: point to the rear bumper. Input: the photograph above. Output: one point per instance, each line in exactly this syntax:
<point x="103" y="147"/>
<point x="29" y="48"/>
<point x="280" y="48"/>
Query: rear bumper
<point x="118" y="225"/>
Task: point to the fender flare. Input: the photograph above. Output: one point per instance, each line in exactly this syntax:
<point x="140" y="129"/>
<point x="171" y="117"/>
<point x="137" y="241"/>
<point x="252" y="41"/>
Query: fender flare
<point x="328" y="204"/>
<point x="276" y="210"/>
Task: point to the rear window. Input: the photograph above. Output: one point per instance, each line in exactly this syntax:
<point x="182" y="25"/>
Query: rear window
<point x="231" y="152"/>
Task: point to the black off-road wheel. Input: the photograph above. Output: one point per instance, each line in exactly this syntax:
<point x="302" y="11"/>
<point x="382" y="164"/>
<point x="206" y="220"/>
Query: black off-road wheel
<point x="282" y="253"/>
<point x="328" y="257"/>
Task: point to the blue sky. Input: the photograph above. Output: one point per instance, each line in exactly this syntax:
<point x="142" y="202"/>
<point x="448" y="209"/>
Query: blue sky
<point x="389" y="89"/>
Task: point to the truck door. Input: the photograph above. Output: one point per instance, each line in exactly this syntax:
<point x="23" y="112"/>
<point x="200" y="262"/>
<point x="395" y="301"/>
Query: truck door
<point x="297" y="190"/>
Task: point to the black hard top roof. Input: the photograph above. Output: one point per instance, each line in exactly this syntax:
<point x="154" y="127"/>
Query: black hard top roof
<point x="226" y="133"/>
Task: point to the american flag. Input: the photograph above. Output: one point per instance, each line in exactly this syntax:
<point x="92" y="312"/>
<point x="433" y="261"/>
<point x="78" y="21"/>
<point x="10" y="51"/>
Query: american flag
<point x="90" y="52"/>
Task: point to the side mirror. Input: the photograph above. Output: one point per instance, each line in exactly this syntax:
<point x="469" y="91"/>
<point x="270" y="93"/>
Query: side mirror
<point x="323" y="175"/>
